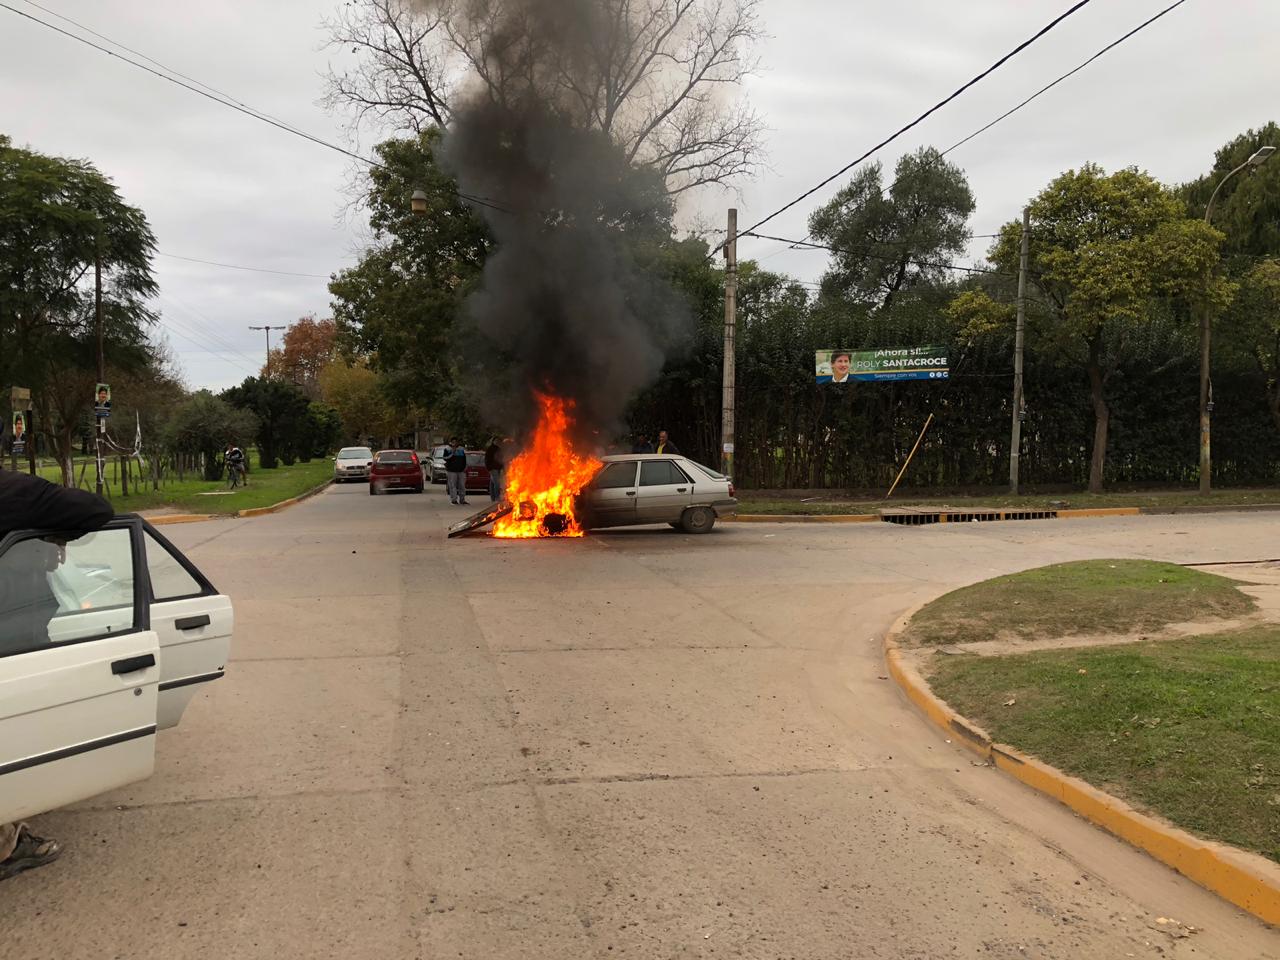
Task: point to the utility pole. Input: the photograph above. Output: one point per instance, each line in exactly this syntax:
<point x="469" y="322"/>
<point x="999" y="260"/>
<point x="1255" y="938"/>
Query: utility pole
<point x="730" y="337"/>
<point x="268" y="332"/>
<point x="1015" y="439"/>
<point x="99" y="423"/>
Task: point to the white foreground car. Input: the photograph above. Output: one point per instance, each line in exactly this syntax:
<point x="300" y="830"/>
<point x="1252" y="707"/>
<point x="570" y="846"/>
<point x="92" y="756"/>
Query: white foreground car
<point x="103" y="642"/>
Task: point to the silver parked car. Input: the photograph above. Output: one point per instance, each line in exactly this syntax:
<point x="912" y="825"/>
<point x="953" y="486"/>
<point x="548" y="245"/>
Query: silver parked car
<point x="352" y="463"/>
<point x="657" y="488"/>
<point x="436" y="462"/>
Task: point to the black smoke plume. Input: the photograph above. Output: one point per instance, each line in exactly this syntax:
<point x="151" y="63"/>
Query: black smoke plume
<point x="572" y="300"/>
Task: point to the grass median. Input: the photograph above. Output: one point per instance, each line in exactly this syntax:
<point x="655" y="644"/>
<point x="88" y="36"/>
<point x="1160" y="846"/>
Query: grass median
<point x="767" y="502"/>
<point x="194" y="495"/>
<point x="1188" y="729"/>
<point x="1080" y="598"/>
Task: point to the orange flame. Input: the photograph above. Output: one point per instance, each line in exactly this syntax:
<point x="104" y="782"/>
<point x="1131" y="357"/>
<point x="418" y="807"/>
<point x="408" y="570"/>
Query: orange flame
<point x="544" y="479"/>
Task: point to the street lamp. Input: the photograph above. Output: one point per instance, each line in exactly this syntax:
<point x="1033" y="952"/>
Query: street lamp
<point x="1258" y="158"/>
<point x="418" y="203"/>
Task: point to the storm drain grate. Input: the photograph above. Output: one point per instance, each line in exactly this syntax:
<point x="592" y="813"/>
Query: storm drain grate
<point x="918" y="516"/>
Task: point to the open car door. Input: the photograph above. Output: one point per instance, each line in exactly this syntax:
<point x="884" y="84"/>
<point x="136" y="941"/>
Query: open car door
<point x="79" y="667"/>
<point x="193" y="622"/>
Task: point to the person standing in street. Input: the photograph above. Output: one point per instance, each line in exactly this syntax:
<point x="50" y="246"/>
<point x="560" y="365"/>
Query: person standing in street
<point x="455" y="471"/>
<point x="32" y="503"/>
<point x="664" y="444"/>
<point x="642" y="444"/>
<point x="495" y="462"/>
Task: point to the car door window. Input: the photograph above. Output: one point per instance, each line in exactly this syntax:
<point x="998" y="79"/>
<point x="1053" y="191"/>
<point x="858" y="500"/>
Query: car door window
<point x="55" y="593"/>
<point x="170" y="580"/>
<point x="616" y="475"/>
<point x="657" y="473"/>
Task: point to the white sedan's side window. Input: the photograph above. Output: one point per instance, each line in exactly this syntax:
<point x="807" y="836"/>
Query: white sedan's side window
<point x="52" y="592"/>
<point x="169" y="578"/>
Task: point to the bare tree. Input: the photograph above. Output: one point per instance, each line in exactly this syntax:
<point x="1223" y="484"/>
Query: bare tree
<point x="661" y="77"/>
<point x="402" y="78"/>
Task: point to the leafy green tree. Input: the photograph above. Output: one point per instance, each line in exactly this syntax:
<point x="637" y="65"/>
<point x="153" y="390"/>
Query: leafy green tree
<point x="324" y="431"/>
<point x="1247" y="210"/>
<point x="56" y="215"/>
<point x="1251" y="330"/>
<point x="280" y="409"/>
<point x="398" y="305"/>
<point x="203" y="425"/>
<point x="1113" y="256"/>
<point x="359" y="395"/>
<point x="890" y="241"/>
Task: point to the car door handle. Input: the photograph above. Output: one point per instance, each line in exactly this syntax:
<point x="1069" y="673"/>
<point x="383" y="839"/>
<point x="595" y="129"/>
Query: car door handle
<point x="682" y="489"/>
<point x="631" y="493"/>
<point x="131" y="664"/>
<point x="190" y="623"/>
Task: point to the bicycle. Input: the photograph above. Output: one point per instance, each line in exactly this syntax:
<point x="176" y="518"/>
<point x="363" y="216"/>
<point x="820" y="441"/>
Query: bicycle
<point x="235" y="475"/>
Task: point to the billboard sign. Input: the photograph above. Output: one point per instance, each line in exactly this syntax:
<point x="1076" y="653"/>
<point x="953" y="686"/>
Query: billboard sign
<point x="905" y="363"/>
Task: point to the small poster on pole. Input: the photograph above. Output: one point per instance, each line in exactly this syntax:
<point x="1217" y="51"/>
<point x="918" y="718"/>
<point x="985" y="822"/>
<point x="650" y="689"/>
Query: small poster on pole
<point x="19" y="431"/>
<point x="102" y="401"/>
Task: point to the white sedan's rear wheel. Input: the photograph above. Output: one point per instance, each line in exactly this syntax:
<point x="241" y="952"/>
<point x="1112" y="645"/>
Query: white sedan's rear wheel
<point x="698" y="520"/>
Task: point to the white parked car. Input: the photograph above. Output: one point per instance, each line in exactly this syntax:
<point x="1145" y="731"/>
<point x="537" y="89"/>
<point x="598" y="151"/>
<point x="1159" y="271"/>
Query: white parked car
<point x="657" y="488"/>
<point x="352" y="463"/>
<point x="103" y="641"/>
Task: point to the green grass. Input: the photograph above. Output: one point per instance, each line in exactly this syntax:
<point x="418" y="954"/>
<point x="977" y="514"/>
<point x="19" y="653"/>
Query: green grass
<point x="1083" y="597"/>
<point x="1189" y="729"/>
<point x="265" y="488"/>
<point x="768" y="502"/>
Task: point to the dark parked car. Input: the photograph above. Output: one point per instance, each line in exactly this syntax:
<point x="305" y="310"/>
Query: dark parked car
<point x="477" y="472"/>
<point x="395" y="470"/>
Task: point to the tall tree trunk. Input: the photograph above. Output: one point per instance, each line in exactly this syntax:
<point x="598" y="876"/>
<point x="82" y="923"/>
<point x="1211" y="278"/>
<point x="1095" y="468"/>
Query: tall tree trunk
<point x="1101" y="415"/>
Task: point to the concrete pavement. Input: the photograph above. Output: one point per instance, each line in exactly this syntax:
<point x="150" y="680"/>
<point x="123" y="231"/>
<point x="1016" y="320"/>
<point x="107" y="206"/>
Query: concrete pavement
<point x="642" y="744"/>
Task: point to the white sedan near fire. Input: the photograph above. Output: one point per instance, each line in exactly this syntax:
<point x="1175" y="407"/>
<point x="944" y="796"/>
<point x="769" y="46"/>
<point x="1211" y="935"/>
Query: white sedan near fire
<point x="657" y="488"/>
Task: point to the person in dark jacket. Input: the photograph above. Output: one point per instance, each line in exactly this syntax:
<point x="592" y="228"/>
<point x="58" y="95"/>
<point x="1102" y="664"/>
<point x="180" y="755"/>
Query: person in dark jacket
<point x="495" y="462"/>
<point x="642" y="444"/>
<point x="664" y="444"/>
<point x="455" y="470"/>
<point x="31" y="503"/>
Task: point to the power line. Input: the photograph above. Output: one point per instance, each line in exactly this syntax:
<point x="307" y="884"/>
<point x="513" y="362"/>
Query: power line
<point x="236" y="266"/>
<point x="807" y="245"/>
<point x="1010" y="112"/>
<point x="152" y="60"/>
<point x="226" y="101"/>
<point x="1071" y="72"/>
<point x="936" y="107"/>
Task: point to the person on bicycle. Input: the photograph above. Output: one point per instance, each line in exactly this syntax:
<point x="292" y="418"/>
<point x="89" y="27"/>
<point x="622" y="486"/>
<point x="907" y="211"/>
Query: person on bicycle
<point x="234" y="458"/>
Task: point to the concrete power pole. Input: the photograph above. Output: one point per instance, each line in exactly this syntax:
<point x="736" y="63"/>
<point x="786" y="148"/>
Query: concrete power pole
<point x="268" y="332"/>
<point x="100" y="424"/>
<point x="1015" y="440"/>
<point x="730" y="339"/>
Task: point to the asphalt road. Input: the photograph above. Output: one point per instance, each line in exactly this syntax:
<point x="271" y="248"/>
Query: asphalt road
<point x="642" y="744"/>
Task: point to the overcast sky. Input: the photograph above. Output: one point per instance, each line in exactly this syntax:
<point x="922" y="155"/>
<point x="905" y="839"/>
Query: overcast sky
<point x="838" y="76"/>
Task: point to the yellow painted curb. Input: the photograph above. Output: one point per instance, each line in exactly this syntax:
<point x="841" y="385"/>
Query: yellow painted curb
<point x="1247" y="880"/>
<point x="805" y="518"/>
<point x="277" y="507"/>
<point x="167" y="518"/>
<point x="1099" y="512"/>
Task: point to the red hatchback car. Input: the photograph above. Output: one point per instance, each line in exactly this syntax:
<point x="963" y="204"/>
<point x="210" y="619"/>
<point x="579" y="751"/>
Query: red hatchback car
<point x="477" y="472"/>
<point x="395" y="470"/>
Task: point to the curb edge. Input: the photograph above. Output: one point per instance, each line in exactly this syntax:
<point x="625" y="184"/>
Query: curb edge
<point x="1243" y="879"/>
<point x="283" y="504"/>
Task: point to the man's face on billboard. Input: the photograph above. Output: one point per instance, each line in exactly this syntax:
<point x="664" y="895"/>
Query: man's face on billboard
<point x="840" y="365"/>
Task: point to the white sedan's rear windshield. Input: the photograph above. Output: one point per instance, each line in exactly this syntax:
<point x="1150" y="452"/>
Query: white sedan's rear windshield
<point x="713" y="474"/>
<point x="355" y="453"/>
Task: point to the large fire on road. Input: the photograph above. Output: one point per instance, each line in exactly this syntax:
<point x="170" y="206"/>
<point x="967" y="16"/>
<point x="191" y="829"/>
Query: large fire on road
<point x="544" y="479"/>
